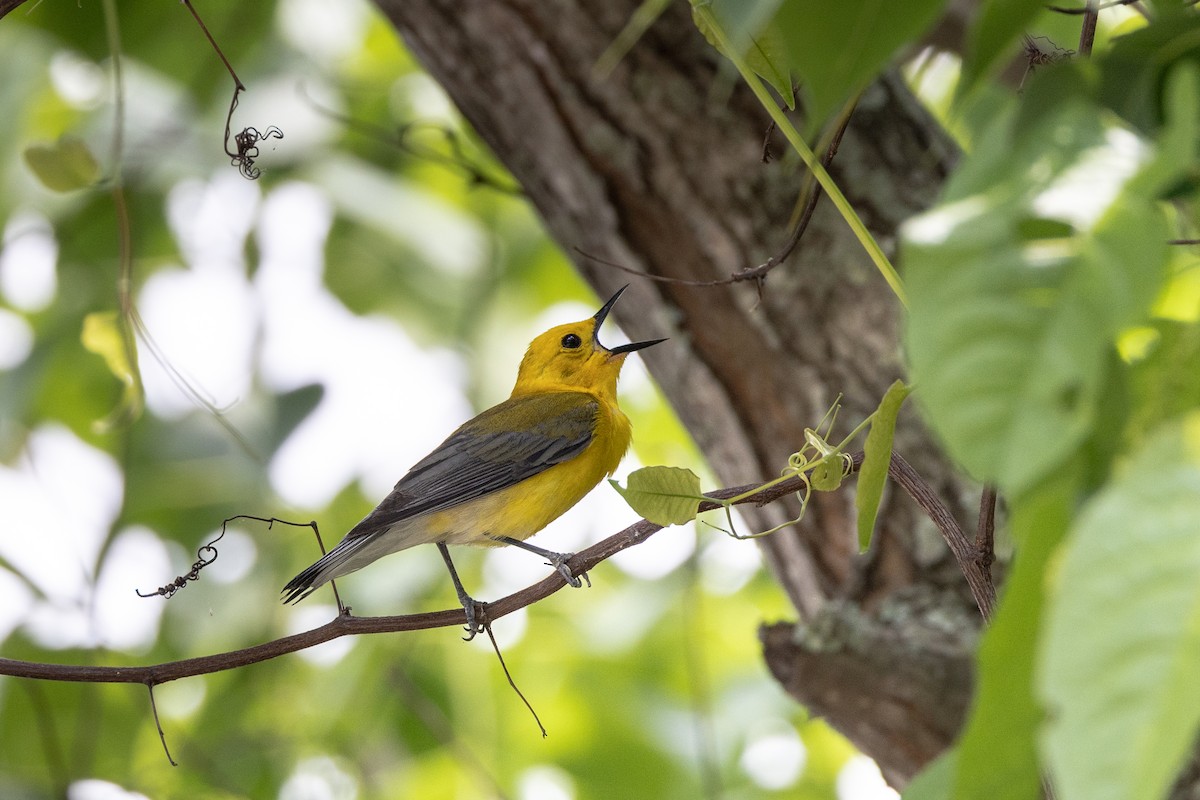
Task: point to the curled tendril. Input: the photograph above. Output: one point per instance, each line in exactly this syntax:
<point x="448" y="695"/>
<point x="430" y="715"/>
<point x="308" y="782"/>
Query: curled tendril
<point x="203" y="559"/>
<point x="247" y="149"/>
<point x="246" y="140"/>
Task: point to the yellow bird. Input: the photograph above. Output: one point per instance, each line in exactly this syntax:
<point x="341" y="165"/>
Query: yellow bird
<point x="509" y="472"/>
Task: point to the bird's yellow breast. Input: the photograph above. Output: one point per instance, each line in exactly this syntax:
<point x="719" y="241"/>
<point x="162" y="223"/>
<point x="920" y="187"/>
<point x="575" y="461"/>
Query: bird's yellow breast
<point x="525" y="508"/>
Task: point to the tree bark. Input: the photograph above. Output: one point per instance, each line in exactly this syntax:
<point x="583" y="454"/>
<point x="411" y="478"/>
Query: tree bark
<point x="658" y="166"/>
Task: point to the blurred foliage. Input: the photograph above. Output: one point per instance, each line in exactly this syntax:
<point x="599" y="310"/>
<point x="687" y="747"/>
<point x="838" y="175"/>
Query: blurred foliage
<point x="1050" y="336"/>
<point x="650" y="686"/>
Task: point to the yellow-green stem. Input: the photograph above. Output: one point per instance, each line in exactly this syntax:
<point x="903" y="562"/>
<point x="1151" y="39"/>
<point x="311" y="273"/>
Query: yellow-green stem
<point x="810" y="160"/>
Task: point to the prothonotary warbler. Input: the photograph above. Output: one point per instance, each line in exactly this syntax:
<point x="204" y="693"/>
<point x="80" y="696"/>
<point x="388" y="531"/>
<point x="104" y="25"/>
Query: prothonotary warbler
<point x="509" y="472"/>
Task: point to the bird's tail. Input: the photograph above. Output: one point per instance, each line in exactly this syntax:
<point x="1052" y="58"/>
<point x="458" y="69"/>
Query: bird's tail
<point x="304" y="584"/>
<point x="341" y="560"/>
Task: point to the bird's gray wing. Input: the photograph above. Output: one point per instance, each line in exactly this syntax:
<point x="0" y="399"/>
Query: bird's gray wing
<point x="501" y="447"/>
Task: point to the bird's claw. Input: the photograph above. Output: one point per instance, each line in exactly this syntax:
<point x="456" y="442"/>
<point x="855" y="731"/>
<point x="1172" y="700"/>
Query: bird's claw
<point x="476" y="618"/>
<point x="559" y="562"/>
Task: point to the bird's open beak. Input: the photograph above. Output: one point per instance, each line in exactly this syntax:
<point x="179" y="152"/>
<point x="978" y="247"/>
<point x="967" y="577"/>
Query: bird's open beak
<point x="600" y="317"/>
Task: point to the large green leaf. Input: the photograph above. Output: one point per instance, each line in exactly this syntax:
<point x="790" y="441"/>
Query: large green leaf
<point x="747" y="27"/>
<point x="1133" y="75"/>
<point x="1048" y="242"/>
<point x="997" y="755"/>
<point x="63" y="166"/>
<point x="836" y="49"/>
<point x="1122" y="636"/>
<point x="877" y="455"/>
<point x="663" y="495"/>
<point x="1160" y="389"/>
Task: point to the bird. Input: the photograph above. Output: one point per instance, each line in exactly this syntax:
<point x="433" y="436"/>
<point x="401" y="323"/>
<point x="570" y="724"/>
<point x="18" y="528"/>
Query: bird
<point x="508" y="472"/>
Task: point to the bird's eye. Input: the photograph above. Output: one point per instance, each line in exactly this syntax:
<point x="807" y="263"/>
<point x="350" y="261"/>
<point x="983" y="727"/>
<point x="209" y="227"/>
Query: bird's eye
<point x="571" y="341"/>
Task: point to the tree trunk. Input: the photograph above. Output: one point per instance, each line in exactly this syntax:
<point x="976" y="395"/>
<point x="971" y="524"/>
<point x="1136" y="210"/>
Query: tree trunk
<point x="659" y="167"/>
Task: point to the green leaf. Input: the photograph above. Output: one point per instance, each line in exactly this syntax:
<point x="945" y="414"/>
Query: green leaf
<point x="935" y="781"/>
<point x="1177" y="137"/>
<point x="1133" y="73"/>
<point x="877" y="454"/>
<point x="997" y="755"/>
<point x="1122" y="638"/>
<point x="767" y="56"/>
<point x="990" y="41"/>
<point x="1008" y="335"/>
<point x="1160" y="389"/>
<point x="748" y="27"/>
<point x="65" y="165"/>
<point x="836" y="49"/>
<point x="104" y="335"/>
<point x="663" y="495"/>
<point x="828" y="474"/>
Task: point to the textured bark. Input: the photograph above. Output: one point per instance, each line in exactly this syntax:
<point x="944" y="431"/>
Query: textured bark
<point x="658" y="167"/>
<point x="898" y="685"/>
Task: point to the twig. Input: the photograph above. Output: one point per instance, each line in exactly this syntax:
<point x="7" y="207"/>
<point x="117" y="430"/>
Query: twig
<point x="193" y="574"/>
<point x="487" y="626"/>
<point x="1183" y="241"/>
<point x="1098" y="7"/>
<point x="1036" y="57"/>
<point x="248" y="138"/>
<point x="1087" y="34"/>
<point x="344" y="625"/>
<point x="759" y="273"/>
<point x="756" y="273"/>
<point x="401" y="139"/>
<point x="981" y="586"/>
<point x="162" y="737"/>
<point x="236" y="80"/>
<point x="312" y="523"/>
<point x="979" y="581"/>
<point x="767" y="155"/>
<point x="985" y="530"/>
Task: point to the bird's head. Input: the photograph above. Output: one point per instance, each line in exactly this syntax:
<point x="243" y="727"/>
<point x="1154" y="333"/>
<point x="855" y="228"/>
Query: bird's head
<point x="571" y="356"/>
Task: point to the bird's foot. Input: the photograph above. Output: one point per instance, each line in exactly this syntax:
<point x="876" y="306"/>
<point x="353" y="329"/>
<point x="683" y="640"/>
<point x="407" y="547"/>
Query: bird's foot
<point x="559" y="562"/>
<point x="476" y="617"/>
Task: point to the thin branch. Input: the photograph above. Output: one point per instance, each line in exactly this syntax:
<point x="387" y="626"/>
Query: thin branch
<point x="112" y="30"/>
<point x="202" y="561"/>
<point x="162" y="737"/>
<point x="487" y="627"/>
<point x="985" y="530"/>
<point x="248" y="138"/>
<point x="237" y="82"/>
<point x="8" y="5"/>
<point x="1099" y="7"/>
<point x="1087" y="34"/>
<point x="342" y="607"/>
<point x="756" y="273"/>
<point x="1037" y="56"/>
<point x="403" y="140"/>
<point x="759" y="273"/>
<point x="346" y="625"/>
<point x="980" y="583"/>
